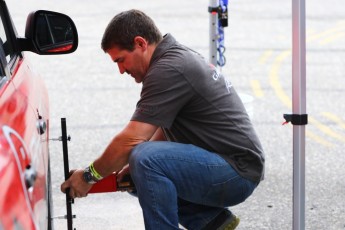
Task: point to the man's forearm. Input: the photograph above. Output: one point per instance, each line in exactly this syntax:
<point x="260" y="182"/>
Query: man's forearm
<point x="116" y="154"/>
<point x="113" y="159"/>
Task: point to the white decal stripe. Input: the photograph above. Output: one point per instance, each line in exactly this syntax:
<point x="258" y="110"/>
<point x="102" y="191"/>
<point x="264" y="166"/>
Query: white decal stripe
<point x="7" y="132"/>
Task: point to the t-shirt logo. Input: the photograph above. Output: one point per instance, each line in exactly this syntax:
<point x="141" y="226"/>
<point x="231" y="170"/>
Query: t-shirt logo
<point x="216" y="76"/>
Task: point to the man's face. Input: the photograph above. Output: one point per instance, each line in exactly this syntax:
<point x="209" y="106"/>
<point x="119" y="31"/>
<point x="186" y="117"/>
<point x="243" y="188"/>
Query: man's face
<point x="130" y="62"/>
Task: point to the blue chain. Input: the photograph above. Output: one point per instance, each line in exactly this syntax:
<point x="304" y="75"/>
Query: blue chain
<point x="222" y="22"/>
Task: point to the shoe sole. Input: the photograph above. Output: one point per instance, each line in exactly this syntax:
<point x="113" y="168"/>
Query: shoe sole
<point x="232" y="225"/>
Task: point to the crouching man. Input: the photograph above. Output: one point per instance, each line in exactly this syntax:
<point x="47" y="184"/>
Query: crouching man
<point x="190" y="146"/>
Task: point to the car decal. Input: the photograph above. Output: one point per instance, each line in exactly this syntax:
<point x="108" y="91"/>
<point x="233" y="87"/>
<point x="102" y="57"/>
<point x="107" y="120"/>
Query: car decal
<point x="8" y="131"/>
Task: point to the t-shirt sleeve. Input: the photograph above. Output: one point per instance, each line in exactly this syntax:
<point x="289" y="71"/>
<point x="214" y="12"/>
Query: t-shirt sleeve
<point x="165" y="91"/>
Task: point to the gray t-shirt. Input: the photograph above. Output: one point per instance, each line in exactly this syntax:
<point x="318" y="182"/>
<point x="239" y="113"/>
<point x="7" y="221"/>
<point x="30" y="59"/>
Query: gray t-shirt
<point x="195" y="104"/>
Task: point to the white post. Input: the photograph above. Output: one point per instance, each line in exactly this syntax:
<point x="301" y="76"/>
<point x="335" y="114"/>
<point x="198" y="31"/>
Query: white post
<point x="298" y="108"/>
<point x="213" y="33"/>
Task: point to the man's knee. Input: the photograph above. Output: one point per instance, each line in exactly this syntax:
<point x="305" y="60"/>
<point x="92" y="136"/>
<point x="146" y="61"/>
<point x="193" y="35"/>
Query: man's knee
<point x="142" y="154"/>
<point x="140" y="151"/>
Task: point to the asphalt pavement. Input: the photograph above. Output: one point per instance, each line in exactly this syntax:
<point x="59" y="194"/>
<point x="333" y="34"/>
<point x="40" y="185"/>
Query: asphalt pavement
<point x="87" y="89"/>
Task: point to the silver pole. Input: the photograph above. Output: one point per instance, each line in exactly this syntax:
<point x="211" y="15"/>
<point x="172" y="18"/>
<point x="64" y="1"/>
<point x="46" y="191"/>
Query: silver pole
<point x="298" y="107"/>
<point x="213" y="33"/>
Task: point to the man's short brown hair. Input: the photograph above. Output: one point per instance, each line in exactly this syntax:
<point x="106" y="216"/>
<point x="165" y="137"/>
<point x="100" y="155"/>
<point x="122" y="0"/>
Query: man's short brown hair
<point x="125" y="26"/>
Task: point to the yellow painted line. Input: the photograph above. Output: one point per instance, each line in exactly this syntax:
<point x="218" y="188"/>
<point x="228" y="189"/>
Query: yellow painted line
<point x="265" y="56"/>
<point x="275" y="83"/>
<point x="335" y="119"/>
<point x="324" y="37"/>
<point x="318" y="139"/>
<point x="339" y="27"/>
<point x="256" y="87"/>
<point x="326" y="129"/>
<point x="332" y="38"/>
<point x="274" y="78"/>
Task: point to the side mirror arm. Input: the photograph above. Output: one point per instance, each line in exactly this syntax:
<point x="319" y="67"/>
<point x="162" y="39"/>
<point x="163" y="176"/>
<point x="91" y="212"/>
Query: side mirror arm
<point x="26" y="44"/>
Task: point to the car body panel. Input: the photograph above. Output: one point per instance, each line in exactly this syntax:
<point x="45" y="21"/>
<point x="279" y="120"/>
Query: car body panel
<point x="24" y="120"/>
<point x="22" y="145"/>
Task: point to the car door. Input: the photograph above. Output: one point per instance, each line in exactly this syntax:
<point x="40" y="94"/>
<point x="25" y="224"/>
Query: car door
<point x="23" y="137"/>
<point x="25" y="192"/>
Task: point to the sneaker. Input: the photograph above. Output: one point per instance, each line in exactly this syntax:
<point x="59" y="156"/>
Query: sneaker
<point x="224" y="221"/>
<point x="230" y="224"/>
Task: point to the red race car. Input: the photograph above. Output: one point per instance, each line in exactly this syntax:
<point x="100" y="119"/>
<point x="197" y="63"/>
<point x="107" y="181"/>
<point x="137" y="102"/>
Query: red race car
<point x="25" y="193"/>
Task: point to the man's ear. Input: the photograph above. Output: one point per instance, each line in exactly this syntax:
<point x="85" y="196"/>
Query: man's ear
<point x="140" y="42"/>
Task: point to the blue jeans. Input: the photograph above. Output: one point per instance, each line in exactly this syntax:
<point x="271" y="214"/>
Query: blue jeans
<point x="181" y="183"/>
